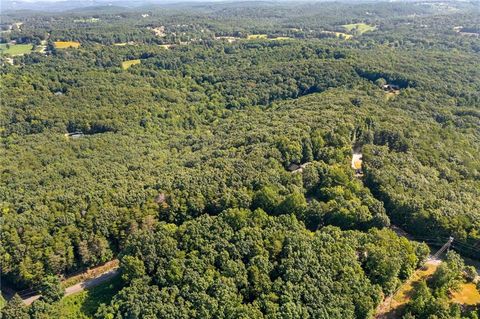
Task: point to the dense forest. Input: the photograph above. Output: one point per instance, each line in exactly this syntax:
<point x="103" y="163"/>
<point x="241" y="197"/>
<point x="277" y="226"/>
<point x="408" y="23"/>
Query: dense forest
<point x="218" y="167"/>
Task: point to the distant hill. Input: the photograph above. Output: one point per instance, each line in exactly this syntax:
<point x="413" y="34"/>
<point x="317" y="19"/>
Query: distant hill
<point x="58" y="6"/>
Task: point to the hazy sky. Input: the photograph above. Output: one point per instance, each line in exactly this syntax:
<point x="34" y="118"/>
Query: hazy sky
<point x="86" y="1"/>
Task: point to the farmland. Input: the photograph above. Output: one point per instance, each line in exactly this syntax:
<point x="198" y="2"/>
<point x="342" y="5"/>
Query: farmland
<point x="15" y="49"/>
<point x="358" y="28"/>
<point x="66" y="44"/>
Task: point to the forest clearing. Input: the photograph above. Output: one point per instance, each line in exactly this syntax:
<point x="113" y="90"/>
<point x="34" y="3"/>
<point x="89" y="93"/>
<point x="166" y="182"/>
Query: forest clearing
<point x="359" y="28"/>
<point x="281" y="38"/>
<point x="129" y="63"/>
<point x="66" y="44"/>
<point x="393" y="307"/>
<point x="468" y="294"/>
<point x="256" y="36"/>
<point x="84" y="304"/>
<point x="15" y="49"/>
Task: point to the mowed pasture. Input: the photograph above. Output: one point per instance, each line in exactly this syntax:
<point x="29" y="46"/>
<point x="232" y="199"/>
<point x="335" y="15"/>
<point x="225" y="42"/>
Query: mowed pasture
<point x="129" y="63"/>
<point x="15" y="49"/>
<point x="66" y="44"/>
<point x="359" y="28"/>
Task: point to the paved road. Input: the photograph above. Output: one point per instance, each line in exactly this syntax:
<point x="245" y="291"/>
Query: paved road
<point x="81" y="286"/>
<point x="91" y="282"/>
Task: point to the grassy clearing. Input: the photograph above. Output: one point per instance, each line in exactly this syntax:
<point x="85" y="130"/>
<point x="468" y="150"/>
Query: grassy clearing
<point x="256" y="36"/>
<point x="84" y="304"/>
<point x="359" y="27"/>
<point x="129" y="63"/>
<point x="391" y="95"/>
<point x="466" y="295"/>
<point x="404" y="294"/>
<point x="281" y="38"/>
<point x="343" y="35"/>
<point x="393" y="307"/>
<point x="66" y="44"/>
<point x="15" y="49"/>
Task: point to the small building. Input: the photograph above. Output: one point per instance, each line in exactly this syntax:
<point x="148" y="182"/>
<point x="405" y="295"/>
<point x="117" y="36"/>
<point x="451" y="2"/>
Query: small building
<point x="293" y="167"/>
<point x="357" y="159"/>
<point x="76" y="134"/>
<point x="391" y="87"/>
<point x="298" y="168"/>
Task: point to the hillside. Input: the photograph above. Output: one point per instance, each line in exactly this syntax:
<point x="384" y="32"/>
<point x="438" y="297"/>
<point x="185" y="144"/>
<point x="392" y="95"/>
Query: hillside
<point x="171" y="141"/>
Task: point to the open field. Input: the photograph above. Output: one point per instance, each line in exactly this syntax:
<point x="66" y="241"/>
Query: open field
<point x="466" y="295"/>
<point x="84" y="304"/>
<point x="129" y="63"/>
<point x="122" y="44"/>
<point x="159" y="31"/>
<point x="359" y="27"/>
<point x="281" y="38"/>
<point x="393" y="307"/>
<point x="256" y="36"/>
<point x="391" y="95"/>
<point x="404" y="294"/>
<point x="66" y="44"/>
<point x="15" y="49"/>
